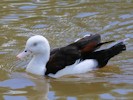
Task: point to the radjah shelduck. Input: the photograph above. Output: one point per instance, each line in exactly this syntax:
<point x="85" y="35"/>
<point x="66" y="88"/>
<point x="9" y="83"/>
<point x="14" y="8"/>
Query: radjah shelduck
<point x="78" y="57"/>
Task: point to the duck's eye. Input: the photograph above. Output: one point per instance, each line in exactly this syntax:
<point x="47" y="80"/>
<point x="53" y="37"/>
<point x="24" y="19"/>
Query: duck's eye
<point x="35" y="44"/>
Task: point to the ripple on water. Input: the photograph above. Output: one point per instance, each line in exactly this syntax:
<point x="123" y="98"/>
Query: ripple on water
<point x="40" y="26"/>
<point x="86" y="14"/>
<point x="126" y="16"/>
<point x="16" y="83"/>
<point x="14" y="97"/>
<point x="123" y="91"/>
<point x="129" y="35"/>
<point x="30" y="7"/>
<point x="107" y="96"/>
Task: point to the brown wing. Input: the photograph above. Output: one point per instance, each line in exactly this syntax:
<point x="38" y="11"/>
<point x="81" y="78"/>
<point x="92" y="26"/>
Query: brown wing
<point x="88" y="43"/>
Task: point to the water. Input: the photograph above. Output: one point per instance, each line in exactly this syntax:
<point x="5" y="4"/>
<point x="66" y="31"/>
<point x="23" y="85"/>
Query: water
<point x="63" y="21"/>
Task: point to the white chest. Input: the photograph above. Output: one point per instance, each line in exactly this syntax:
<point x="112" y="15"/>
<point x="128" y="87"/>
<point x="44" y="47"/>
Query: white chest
<point x="36" y="66"/>
<point x="38" y="70"/>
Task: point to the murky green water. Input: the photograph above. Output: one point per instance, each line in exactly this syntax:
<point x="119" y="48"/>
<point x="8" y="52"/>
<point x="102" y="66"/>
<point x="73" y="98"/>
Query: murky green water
<point x="62" y="21"/>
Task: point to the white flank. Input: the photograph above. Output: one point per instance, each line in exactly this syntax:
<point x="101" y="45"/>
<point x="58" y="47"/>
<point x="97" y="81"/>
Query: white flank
<point x="77" y="68"/>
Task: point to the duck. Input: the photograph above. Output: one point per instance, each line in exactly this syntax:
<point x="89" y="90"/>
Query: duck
<point x="81" y="56"/>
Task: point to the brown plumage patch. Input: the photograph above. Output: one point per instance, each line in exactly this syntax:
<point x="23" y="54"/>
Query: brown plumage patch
<point x="89" y="47"/>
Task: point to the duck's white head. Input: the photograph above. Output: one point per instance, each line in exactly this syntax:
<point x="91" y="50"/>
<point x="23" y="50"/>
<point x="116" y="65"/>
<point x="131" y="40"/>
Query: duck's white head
<point x="39" y="47"/>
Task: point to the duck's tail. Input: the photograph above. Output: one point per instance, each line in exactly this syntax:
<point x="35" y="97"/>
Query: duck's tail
<point x="103" y="56"/>
<point x="116" y="49"/>
<point x="111" y="52"/>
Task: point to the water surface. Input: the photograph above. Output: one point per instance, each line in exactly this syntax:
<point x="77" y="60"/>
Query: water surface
<point x="61" y="22"/>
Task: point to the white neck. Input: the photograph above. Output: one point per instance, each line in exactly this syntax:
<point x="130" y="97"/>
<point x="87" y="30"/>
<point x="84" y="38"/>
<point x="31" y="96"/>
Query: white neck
<point x="38" y="63"/>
